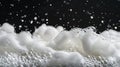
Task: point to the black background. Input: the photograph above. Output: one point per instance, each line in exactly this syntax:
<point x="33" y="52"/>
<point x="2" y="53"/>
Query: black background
<point x="102" y="14"/>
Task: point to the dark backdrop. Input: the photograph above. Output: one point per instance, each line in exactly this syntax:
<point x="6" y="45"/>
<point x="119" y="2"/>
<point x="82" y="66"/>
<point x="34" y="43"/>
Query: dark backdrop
<point x="29" y="14"/>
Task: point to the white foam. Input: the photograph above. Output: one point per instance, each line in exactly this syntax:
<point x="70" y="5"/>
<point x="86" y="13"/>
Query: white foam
<point x="61" y="44"/>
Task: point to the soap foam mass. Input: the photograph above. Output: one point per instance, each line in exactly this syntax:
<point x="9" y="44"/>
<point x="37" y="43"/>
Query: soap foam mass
<point x="50" y="46"/>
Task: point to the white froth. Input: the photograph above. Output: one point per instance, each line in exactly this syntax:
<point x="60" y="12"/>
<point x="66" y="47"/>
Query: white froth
<point x="64" y="47"/>
<point x="7" y="28"/>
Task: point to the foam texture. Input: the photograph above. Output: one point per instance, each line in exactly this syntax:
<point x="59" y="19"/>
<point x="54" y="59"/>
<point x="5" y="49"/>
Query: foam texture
<point x="50" y="46"/>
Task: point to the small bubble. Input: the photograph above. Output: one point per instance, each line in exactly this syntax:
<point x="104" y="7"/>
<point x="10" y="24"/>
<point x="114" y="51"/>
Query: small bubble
<point x="68" y="22"/>
<point x="22" y="20"/>
<point x="38" y="22"/>
<point x="57" y="12"/>
<point x="46" y="22"/>
<point x="35" y="18"/>
<point x="89" y="13"/>
<point x="83" y="10"/>
<point x="71" y="10"/>
<point x="16" y="14"/>
<point x="75" y="12"/>
<point x="91" y="17"/>
<point x="39" y="4"/>
<point x="102" y="21"/>
<point x="26" y="6"/>
<point x="73" y="19"/>
<point x="46" y="19"/>
<point x="46" y="14"/>
<point x="115" y="27"/>
<point x="60" y="18"/>
<point x="23" y="16"/>
<point x="87" y="1"/>
<point x="10" y="13"/>
<point x="20" y="26"/>
<point x="118" y="20"/>
<point x="64" y="1"/>
<point x="43" y="19"/>
<point x="50" y="4"/>
<point x="109" y="26"/>
<point x="12" y="5"/>
<point x="31" y="21"/>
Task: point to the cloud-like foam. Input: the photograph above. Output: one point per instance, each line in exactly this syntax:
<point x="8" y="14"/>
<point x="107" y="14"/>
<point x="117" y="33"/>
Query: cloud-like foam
<point x="61" y="46"/>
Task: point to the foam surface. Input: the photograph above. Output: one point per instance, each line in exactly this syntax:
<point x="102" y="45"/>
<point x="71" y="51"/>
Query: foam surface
<point x="60" y="46"/>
